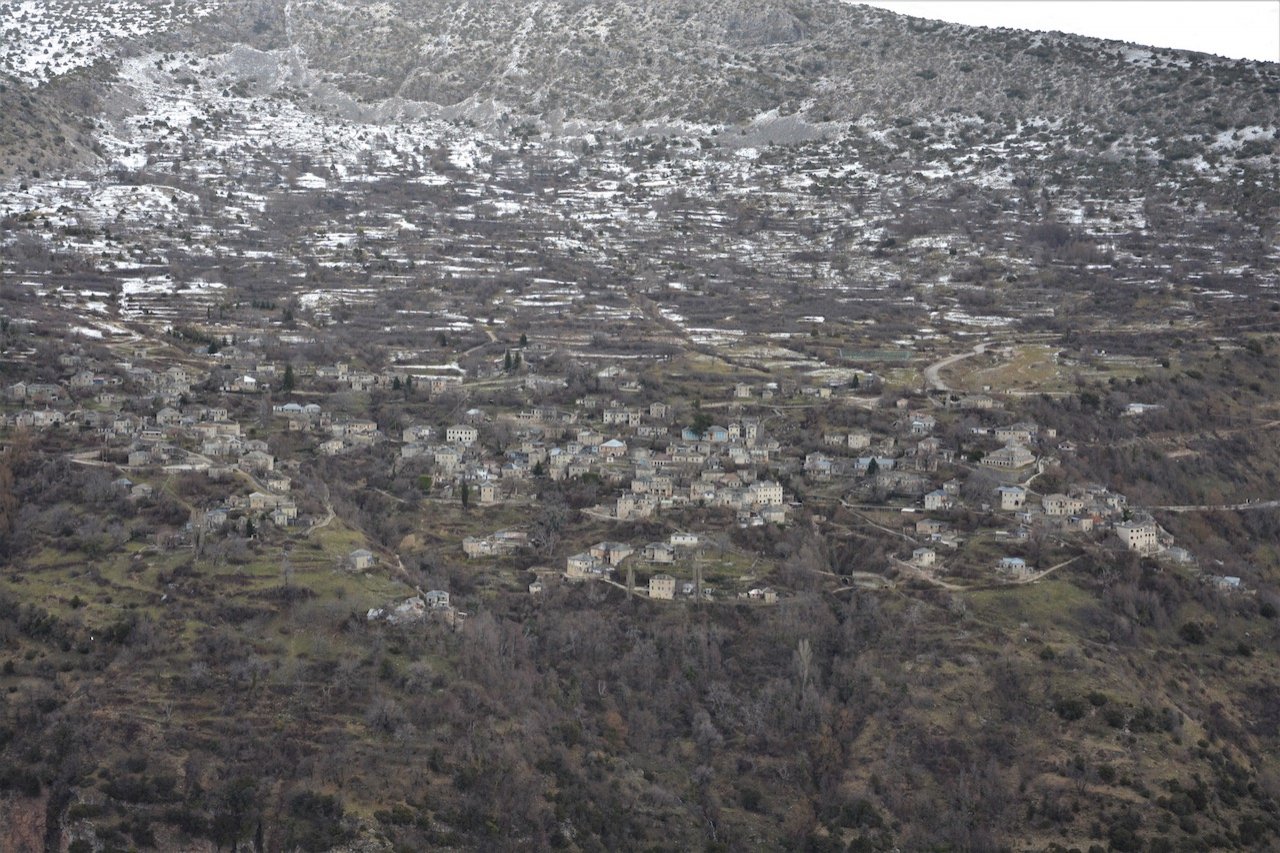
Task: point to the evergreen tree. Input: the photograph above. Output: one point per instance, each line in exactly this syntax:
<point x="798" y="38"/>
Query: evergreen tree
<point x="289" y="381"/>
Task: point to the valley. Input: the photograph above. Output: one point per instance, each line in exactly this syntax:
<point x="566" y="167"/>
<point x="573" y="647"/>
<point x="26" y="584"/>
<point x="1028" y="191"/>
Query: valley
<point x="589" y="426"/>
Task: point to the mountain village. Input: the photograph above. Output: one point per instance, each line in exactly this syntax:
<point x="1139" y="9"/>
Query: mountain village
<point x="938" y="472"/>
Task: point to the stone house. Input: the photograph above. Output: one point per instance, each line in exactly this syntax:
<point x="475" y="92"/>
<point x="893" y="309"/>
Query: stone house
<point x="463" y="434"/>
<point x="659" y="552"/>
<point x="765" y="493"/>
<point x="684" y="540"/>
<point x="1009" y="457"/>
<point x="1139" y="536"/>
<point x="611" y="553"/>
<point x="1015" y="566"/>
<point x="938" y="500"/>
<point x="613" y="449"/>
<point x="1062" y="505"/>
<point x="584" y="565"/>
<point x="1012" y="497"/>
<point x="662" y="587"/>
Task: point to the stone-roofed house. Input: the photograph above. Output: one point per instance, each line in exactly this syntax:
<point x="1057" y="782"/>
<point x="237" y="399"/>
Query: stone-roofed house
<point x="1012" y="497"/>
<point x="662" y="587"/>
<point x="1009" y="457"/>
<point x="1062" y="505"/>
<point x="584" y="565"/>
<point x="1139" y="536"/>
<point x="611" y="553"/>
<point x="463" y="434"/>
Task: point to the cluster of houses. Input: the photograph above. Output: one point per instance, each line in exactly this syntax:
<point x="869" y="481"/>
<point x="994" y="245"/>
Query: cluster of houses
<point x="715" y="467"/>
<point x="1083" y="509"/>
<point x="647" y="463"/>
<point x="603" y="559"/>
<point x="433" y="604"/>
<point x="495" y="544"/>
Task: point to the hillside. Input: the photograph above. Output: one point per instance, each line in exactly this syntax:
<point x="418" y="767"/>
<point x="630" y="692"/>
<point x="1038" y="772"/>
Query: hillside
<point x="632" y="425"/>
<point x="732" y="62"/>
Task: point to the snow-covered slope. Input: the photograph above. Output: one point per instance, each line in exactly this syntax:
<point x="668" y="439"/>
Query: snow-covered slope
<point x="40" y="39"/>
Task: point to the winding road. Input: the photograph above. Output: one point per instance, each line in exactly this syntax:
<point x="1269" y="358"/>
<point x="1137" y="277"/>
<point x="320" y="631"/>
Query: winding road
<point x="931" y="377"/>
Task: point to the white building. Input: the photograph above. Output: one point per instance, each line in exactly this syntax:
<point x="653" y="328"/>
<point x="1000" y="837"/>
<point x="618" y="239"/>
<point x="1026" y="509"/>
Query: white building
<point x="766" y="493"/>
<point x="462" y="434"/>
<point x="684" y="540"/>
<point x="1015" y="566"/>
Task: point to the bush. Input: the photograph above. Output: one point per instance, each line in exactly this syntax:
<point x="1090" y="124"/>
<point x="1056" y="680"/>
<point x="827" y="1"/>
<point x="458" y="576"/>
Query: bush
<point x="1124" y="839"/>
<point x="191" y="822"/>
<point x="23" y="781"/>
<point x="398" y="815"/>
<point x="1252" y="831"/>
<point x="1070" y="709"/>
<point x="79" y="811"/>
<point x="315" y="822"/>
<point x="861" y="813"/>
<point x="1193" y="632"/>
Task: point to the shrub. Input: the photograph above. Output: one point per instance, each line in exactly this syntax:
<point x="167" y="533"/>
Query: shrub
<point x="1252" y="831"/>
<point x="316" y="822"/>
<point x="18" y="779"/>
<point x="1124" y="839"/>
<point x="190" y="822"/>
<point x="1070" y="708"/>
<point x="398" y="815"/>
<point x="1193" y="632"/>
